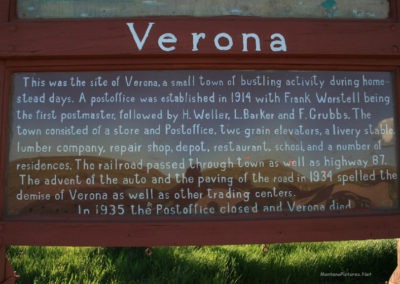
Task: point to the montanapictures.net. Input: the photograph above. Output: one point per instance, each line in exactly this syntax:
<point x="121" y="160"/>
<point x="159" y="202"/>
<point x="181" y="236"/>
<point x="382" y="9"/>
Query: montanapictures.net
<point x="345" y="274"/>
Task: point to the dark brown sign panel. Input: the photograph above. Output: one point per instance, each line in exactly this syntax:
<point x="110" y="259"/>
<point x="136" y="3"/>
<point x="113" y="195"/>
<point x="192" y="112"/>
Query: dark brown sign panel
<point x="201" y="144"/>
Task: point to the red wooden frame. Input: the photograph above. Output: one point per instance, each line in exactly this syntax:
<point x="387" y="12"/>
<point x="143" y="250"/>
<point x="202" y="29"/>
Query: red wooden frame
<point x="111" y="38"/>
<point x="106" y="44"/>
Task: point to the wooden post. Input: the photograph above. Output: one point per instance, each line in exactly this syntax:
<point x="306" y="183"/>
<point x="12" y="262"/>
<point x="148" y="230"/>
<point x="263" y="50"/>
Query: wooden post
<point x="395" y="278"/>
<point x="7" y="273"/>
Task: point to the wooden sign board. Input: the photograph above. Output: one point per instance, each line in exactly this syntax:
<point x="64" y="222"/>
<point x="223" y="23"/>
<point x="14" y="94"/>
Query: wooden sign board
<point x="190" y="134"/>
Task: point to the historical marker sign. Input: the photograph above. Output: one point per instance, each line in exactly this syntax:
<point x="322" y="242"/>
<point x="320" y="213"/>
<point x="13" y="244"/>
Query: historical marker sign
<point x="198" y="130"/>
<point x="201" y="144"/>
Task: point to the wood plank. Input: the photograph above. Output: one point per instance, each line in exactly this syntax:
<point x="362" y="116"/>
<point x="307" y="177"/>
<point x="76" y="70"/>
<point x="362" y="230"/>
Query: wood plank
<point x="3" y="133"/>
<point x="395" y="10"/>
<point x="200" y="232"/>
<point x="4" y="11"/>
<point x="113" y="38"/>
<point x="395" y="278"/>
<point x="3" y="264"/>
<point x="386" y="63"/>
